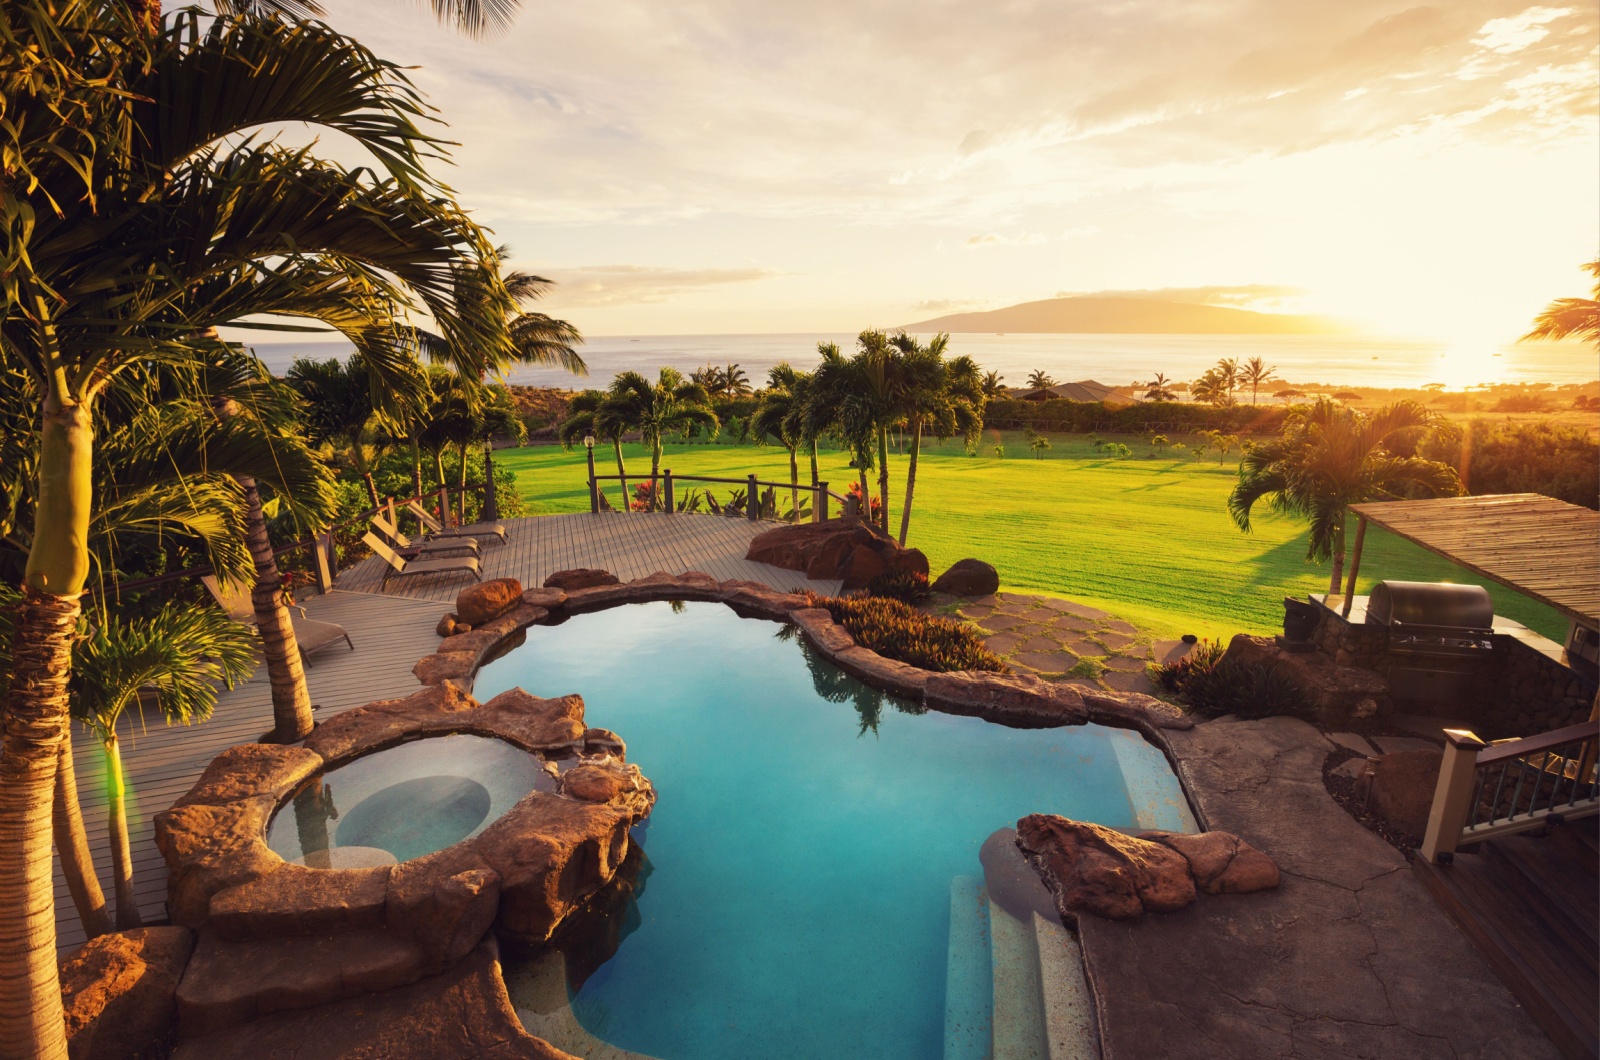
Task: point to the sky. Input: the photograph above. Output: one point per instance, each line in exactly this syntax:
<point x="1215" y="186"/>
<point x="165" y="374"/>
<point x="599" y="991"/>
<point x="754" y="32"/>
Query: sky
<point x="738" y="167"/>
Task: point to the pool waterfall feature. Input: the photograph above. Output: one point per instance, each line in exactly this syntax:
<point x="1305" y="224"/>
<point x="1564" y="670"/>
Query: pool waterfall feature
<point x="586" y="847"/>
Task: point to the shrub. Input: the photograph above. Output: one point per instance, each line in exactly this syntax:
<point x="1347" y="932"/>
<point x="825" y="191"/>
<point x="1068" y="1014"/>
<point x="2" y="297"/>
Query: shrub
<point x="1545" y="458"/>
<point x="899" y="631"/>
<point x="1213" y="688"/>
<point x="1145" y="417"/>
<point x="908" y="586"/>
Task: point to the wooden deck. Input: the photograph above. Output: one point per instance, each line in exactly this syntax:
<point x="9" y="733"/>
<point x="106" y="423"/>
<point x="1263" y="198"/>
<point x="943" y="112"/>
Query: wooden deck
<point x="629" y="545"/>
<point x="1528" y="903"/>
<point x="391" y="632"/>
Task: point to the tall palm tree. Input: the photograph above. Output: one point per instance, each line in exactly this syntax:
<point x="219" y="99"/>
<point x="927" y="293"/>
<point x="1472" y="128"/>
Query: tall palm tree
<point x="735" y="383"/>
<point x="943" y="396"/>
<point x="833" y="406"/>
<point x="179" y="653"/>
<point x="1159" y="389"/>
<point x="1038" y="379"/>
<point x="1253" y="373"/>
<point x="595" y="414"/>
<point x="1328" y="457"/>
<point x="338" y="406"/>
<point x="158" y="166"/>
<point x="669" y="405"/>
<point x="991" y="384"/>
<point x="777" y="419"/>
<point x="472" y="18"/>
<point x="1567" y="318"/>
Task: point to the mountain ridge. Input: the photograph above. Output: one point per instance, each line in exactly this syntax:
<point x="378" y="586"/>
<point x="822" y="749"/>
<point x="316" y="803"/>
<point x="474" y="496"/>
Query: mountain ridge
<point x="1093" y="315"/>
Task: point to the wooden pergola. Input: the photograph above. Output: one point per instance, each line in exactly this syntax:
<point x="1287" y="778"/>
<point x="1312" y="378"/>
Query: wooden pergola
<point x="1535" y="545"/>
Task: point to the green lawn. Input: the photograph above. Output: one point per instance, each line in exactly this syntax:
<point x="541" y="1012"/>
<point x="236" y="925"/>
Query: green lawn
<point x="1147" y="538"/>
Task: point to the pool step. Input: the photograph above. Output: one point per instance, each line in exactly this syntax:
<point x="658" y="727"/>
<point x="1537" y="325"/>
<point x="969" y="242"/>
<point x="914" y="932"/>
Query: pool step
<point x="1018" y="1001"/>
<point x="538" y="991"/>
<point x="968" y="990"/>
<point x="1068" y="1007"/>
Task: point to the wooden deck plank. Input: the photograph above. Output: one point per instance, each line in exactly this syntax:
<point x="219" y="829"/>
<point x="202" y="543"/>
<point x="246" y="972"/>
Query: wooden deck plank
<point x="391" y="627"/>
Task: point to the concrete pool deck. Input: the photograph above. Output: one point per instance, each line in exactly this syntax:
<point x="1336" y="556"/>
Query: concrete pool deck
<point x="1349" y="957"/>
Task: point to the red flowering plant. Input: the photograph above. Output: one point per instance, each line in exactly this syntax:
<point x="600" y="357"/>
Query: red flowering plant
<point x="854" y="494"/>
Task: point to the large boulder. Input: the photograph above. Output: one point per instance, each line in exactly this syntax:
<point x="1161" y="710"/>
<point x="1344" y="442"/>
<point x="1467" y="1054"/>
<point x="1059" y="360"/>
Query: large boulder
<point x="853" y="552"/>
<point x="1091" y="869"/>
<point x="1337" y="695"/>
<point x="579" y="578"/>
<point x="1221" y="862"/>
<point x="968" y="577"/>
<point x="1402" y="787"/>
<point x="119" y="993"/>
<point x="487" y="601"/>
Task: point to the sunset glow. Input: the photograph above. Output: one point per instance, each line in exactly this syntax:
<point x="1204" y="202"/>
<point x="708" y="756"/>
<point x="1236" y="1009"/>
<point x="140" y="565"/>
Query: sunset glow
<point x="740" y="168"/>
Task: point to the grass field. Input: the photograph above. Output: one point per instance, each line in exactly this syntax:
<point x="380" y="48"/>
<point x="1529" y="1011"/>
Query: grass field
<point x="1146" y="536"/>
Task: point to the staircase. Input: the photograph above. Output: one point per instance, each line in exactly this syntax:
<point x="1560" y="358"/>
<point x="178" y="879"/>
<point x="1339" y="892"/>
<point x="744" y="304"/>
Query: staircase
<point x="1014" y="989"/>
<point x="1529" y="904"/>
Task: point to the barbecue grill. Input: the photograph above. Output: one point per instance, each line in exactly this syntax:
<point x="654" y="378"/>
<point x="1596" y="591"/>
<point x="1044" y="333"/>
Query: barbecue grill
<point x="1437" y="630"/>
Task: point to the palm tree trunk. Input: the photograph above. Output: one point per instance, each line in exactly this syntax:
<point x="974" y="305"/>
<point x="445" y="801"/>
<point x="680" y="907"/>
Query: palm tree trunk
<point x="461" y="489"/>
<point x="117" y="829"/>
<point x="866" y="493"/>
<point x="291" y="701"/>
<point x="622" y="471"/>
<point x="814" y="479"/>
<point x="794" y="483"/>
<point x="416" y="479"/>
<point x="911" y="479"/>
<point x="363" y="470"/>
<point x="655" y="470"/>
<point x="883" y="477"/>
<point x="72" y="845"/>
<point x="34" y="724"/>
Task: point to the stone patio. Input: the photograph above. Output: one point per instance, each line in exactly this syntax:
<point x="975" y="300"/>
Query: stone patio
<point x="1066" y="641"/>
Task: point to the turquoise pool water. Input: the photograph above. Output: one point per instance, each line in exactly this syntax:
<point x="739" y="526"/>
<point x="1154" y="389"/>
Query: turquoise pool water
<point x="403" y="802"/>
<point x="806" y="833"/>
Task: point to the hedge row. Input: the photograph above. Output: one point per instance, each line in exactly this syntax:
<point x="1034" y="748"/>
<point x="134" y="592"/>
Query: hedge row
<point x="1079" y="417"/>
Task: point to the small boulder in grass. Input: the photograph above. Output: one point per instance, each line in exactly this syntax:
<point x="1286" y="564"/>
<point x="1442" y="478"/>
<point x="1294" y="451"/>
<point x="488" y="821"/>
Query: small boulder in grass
<point x="487" y="601"/>
<point x="969" y="577"/>
<point x="580" y="578"/>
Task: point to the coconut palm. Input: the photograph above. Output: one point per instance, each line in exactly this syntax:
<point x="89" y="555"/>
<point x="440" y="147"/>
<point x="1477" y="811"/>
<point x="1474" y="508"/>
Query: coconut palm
<point x="1253" y="373"/>
<point x="472" y="18"/>
<point x="1038" y="379"/>
<point x="158" y="167"/>
<point x="669" y="405"/>
<point x="1160" y="389"/>
<point x="834" y="405"/>
<point x="991" y="384"/>
<point x="1568" y="318"/>
<point x="338" y="406"/>
<point x="932" y="393"/>
<point x="735" y="383"/>
<point x="179" y="654"/>
<point x="778" y="419"/>
<point x="1328" y="457"/>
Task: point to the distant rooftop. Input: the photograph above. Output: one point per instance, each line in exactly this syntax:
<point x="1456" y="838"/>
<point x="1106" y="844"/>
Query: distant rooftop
<point x="1084" y="390"/>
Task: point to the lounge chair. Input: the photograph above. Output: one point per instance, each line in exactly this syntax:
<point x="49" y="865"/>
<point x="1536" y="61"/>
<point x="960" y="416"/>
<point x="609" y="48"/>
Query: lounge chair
<point x="406" y="568"/>
<point x="310" y="634"/>
<point x="436" y="529"/>
<point x="409" y="549"/>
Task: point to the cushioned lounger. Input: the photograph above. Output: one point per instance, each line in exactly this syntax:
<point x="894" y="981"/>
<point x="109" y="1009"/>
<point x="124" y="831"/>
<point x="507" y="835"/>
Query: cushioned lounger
<point x="309" y="634"/>
<point x="409" y="549"/>
<point x="399" y="567"/>
<point x="435" y="529"/>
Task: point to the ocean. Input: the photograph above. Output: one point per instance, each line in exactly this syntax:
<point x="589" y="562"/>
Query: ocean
<point x="1111" y="359"/>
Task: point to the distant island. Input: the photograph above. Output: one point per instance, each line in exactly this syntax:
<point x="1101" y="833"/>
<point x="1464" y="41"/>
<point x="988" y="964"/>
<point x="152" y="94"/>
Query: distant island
<point x="1126" y="316"/>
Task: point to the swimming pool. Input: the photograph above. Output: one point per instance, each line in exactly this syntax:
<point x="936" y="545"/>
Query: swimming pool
<point x="809" y="834"/>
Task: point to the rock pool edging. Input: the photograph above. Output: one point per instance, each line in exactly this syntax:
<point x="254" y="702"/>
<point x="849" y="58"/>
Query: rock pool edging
<point x="274" y="936"/>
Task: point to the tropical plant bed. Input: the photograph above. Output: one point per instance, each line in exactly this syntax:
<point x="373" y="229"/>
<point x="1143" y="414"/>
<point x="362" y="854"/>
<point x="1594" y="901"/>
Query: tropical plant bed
<point x="897" y="630"/>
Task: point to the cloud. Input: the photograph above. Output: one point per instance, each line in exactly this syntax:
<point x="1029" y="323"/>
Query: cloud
<point x="1510" y="35"/>
<point x="1238" y="296"/>
<point x="991" y="239"/>
<point x="616" y="285"/>
<point x="945" y="305"/>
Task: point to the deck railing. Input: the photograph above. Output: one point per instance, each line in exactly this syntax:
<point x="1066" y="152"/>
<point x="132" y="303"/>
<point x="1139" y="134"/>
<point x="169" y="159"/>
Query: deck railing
<point x="1487" y="790"/>
<point x="752" y="507"/>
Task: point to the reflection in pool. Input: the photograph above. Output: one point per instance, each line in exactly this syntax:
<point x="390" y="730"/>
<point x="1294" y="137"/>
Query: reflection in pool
<point x="808" y="833"/>
<point x="403" y="802"/>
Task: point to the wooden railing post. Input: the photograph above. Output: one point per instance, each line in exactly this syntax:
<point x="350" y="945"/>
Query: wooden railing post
<point x="752" y="500"/>
<point x="323" y="557"/>
<point x="666" y="489"/>
<point x="1452" y="795"/>
<point x="594" y="486"/>
<point x="820" y="509"/>
<point x="444" y="506"/>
